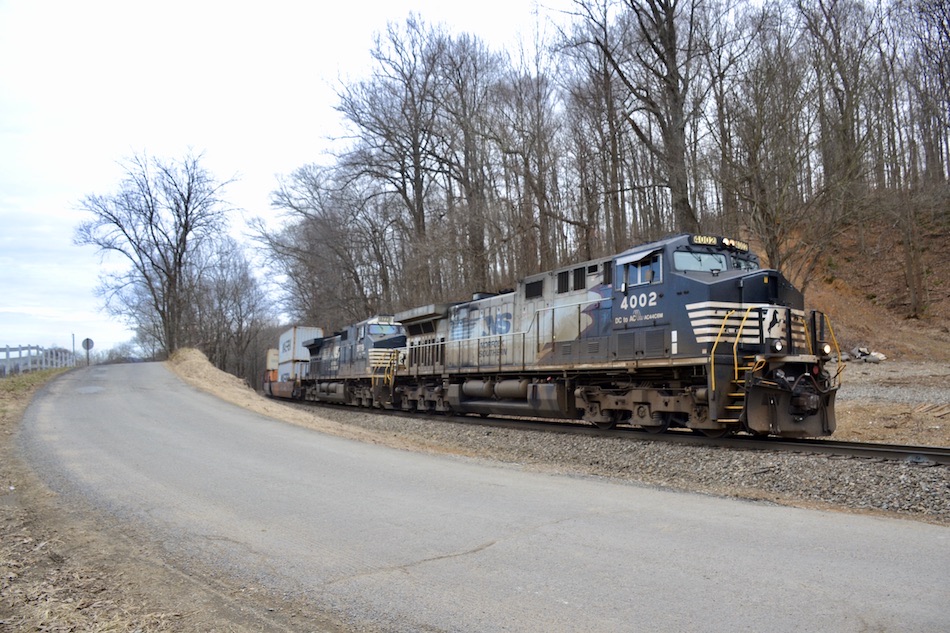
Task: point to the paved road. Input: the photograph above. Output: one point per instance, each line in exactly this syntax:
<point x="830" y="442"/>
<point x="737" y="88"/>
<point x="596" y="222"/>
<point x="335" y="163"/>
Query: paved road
<point x="414" y="542"/>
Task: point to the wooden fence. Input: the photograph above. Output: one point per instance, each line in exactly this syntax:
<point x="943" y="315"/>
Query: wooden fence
<point x="27" y="358"/>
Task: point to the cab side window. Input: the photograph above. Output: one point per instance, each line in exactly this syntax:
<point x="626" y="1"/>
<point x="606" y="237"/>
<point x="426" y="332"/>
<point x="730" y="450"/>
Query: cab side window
<point x="648" y="270"/>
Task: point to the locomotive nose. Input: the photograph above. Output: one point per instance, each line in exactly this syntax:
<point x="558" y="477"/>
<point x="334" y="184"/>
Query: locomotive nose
<point x="771" y="287"/>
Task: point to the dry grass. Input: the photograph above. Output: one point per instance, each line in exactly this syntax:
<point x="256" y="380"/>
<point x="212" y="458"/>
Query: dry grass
<point x="891" y="424"/>
<point x="193" y="367"/>
<point x="923" y="423"/>
<point x="42" y="587"/>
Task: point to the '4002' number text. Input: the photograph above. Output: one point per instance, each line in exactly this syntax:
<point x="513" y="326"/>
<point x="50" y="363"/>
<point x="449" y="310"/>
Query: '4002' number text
<point x="642" y="300"/>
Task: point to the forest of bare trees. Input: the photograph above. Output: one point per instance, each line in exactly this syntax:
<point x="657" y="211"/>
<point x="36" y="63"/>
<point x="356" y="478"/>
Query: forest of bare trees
<point x="784" y="122"/>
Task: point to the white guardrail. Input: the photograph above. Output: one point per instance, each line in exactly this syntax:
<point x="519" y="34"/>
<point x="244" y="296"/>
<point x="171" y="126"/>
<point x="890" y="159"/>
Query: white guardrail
<point x="27" y="358"/>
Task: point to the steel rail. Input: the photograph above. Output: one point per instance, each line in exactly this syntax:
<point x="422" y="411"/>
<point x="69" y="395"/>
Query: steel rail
<point x="920" y="455"/>
<point x="923" y="455"/>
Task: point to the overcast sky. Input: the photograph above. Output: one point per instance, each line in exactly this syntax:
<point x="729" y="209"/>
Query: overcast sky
<point x="85" y="84"/>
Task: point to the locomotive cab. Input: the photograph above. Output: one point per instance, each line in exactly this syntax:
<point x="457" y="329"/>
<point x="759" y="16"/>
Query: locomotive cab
<point x="380" y="333"/>
<point x="723" y="344"/>
<point x="767" y="356"/>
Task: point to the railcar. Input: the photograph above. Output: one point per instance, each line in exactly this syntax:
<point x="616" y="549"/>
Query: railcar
<point x="688" y="331"/>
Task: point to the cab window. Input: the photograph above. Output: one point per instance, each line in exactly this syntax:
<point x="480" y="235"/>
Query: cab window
<point x="377" y="329"/>
<point x="646" y="271"/>
<point x="697" y="261"/>
<point x="743" y="263"/>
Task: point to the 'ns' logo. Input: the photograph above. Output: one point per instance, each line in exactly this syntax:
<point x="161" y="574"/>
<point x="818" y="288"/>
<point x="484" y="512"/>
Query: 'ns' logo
<point x="498" y="324"/>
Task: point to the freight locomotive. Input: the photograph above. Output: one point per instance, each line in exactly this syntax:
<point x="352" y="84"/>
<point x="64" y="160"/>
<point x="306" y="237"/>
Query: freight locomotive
<point x="686" y="332"/>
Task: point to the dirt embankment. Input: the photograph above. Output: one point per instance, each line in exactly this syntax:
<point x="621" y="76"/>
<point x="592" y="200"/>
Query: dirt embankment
<point x="862" y="285"/>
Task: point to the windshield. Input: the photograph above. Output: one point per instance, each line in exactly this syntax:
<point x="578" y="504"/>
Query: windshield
<point x="745" y="264"/>
<point x="377" y="329"/>
<point x="701" y="262"/>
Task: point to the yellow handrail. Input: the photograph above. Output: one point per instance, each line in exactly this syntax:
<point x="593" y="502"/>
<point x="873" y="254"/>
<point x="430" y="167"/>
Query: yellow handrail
<point x="808" y="343"/>
<point x="735" y="346"/>
<point x="834" y="340"/>
<point x="392" y="368"/>
<point x="388" y="370"/>
<point x="712" y="354"/>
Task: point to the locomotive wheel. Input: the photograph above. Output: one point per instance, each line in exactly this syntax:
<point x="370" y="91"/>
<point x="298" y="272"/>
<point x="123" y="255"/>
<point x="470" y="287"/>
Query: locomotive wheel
<point x="714" y="433"/>
<point x="661" y="423"/>
<point x="616" y="417"/>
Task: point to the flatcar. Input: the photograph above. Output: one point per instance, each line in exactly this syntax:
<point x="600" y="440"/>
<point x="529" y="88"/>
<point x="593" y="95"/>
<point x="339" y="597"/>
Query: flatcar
<point x="687" y="332"/>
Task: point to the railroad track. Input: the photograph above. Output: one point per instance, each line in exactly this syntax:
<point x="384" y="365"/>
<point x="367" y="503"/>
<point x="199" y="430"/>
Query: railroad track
<point x="921" y="455"/>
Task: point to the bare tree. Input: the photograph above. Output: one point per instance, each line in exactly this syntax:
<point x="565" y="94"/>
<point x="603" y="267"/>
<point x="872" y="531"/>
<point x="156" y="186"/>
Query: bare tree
<point x="655" y="47"/>
<point x="840" y="34"/>
<point x="788" y="121"/>
<point x="526" y="130"/>
<point x="930" y="79"/>
<point x="158" y="221"/>
<point x="598" y="145"/>
<point x="341" y="250"/>
<point x="771" y="119"/>
<point x="912" y="107"/>
<point x="230" y="309"/>
<point x="394" y="118"/>
<point x="469" y="74"/>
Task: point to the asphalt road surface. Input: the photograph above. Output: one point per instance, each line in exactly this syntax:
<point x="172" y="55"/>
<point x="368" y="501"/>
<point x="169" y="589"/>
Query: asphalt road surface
<point x="398" y="541"/>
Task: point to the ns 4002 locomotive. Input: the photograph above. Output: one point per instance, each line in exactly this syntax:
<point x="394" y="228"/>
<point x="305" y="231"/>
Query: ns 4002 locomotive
<point x="688" y="332"/>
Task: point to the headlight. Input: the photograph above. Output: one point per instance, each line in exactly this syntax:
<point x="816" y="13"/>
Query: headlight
<point x="776" y="346"/>
<point x="826" y="349"/>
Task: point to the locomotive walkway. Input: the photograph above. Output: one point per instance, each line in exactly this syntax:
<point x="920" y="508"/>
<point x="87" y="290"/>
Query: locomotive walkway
<point x="397" y="541"/>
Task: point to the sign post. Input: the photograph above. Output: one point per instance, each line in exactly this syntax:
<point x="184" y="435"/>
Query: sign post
<point x="87" y="345"/>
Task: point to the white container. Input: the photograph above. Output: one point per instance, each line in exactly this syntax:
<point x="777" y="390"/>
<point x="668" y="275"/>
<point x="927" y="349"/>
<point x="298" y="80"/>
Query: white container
<point x="272" y="359"/>
<point x="292" y="370"/>
<point x="291" y="343"/>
